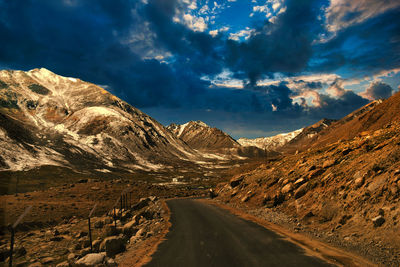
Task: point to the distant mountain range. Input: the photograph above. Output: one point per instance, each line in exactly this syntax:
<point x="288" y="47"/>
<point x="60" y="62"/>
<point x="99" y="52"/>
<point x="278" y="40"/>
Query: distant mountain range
<point x="270" y="143"/>
<point x="206" y="139"/>
<point x="50" y="120"/>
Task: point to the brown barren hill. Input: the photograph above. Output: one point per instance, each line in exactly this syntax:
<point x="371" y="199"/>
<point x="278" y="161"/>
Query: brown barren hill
<point x="369" y="118"/>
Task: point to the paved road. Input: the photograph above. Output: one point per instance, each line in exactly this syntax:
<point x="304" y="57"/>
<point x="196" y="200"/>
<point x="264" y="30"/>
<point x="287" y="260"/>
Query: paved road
<point x="205" y="235"/>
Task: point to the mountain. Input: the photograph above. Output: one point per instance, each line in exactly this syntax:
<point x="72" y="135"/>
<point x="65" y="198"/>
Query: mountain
<point x="306" y="136"/>
<point x="369" y="117"/>
<point x="206" y="139"/>
<point x="345" y="180"/>
<point x="270" y="143"/>
<point x="200" y="136"/>
<point x="47" y="119"/>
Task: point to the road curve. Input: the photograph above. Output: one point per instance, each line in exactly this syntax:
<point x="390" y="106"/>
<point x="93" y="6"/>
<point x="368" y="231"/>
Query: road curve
<point x="205" y="235"/>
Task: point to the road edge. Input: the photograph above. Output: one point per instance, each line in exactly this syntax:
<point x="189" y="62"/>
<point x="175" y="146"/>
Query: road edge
<point x="142" y="255"/>
<point x="311" y="246"/>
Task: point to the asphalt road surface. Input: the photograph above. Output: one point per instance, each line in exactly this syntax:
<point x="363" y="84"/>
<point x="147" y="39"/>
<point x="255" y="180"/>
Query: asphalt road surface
<point x="205" y="235"/>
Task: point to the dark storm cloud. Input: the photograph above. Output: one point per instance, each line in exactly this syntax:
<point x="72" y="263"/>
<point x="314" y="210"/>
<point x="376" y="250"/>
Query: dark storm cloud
<point x="378" y="90"/>
<point x="92" y="40"/>
<point x="115" y="43"/>
<point x="362" y="49"/>
<point x="336" y="108"/>
<point x="284" y="46"/>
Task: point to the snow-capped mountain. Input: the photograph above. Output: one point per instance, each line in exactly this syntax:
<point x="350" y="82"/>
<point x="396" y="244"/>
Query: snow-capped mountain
<point x="47" y="119"/>
<point x="200" y="136"/>
<point x="213" y="141"/>
<point x="270" y="143"/>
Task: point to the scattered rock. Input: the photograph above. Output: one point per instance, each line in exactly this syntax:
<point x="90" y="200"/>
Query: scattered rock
<point x="108" y="220"/>
<point x="82" y="181"/>
<point x="35" y="264"/>
<point x="234" y="192"/>
<point x="96" y="245"/>
<point x="299" y="182"/>
<point x="91" y="259"/>
<point x="278" y="199"/>
<point x="81" y="234"/>
<point x="235" y="181"/>
<point x="358" y="179"/>
<point x="48" y="260"/>
<point x="287" y="188"/>
<point x="56" y="238"/>
<point x="111" y="263"/>
<point x="110" y="230"/>
<point x="315" y="173"/>
<point x="128" y="229"/>
<point x="344" y="219"/>
<point x="308" y="215"/>
<point x="245" y="198"/>
<point x="141" y="232"/>
<point x="63" y="264"/>
<point x="381" y="212"/>
<point x="378" y="221"/>
<point x="85" y="243"/>
<point x="19" y="251"/>
<point x="311" y="168"/>
<point x="71" y="257"/>
<point x="99" y="224"/>
<point x="113" y="245"/>
<point x="301" y="191"/>
<point x="329" y="163"/>
<point x="143" y="202"/>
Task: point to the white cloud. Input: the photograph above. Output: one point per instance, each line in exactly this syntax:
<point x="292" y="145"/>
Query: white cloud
<point x="225" y="79"/>
<point x="246" y="33"/>
<point x="343" y="13"/>
<point x="197" y="24"/>
<point x="214" y="33"/>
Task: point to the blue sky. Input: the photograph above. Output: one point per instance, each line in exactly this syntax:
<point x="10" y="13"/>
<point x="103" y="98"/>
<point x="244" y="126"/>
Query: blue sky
<point x="252" y="68"/>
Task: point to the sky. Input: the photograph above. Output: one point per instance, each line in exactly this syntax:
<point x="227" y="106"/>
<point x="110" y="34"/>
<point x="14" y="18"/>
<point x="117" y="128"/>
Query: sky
<point x="249" y="67"/>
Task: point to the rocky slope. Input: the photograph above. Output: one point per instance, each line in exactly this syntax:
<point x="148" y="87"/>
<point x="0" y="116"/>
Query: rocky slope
<point x="270" y="143"/>
<point x="199" y="135"/>
<point x="206" y="139"/>
<point x="47" y="119"/>
<point x="328" y="131"/>
<point x="344" y="189"/>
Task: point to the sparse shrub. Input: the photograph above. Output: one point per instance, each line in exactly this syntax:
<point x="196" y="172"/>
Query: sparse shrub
<point x="3" y="85"/>
<point x="37" y="88"/>
<point x="9" y="104"/>
<point x="30" y="104"/>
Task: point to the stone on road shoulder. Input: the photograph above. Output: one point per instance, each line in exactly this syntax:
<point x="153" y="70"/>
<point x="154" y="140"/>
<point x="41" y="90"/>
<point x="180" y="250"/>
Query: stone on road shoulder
<point x="205" y="235"/>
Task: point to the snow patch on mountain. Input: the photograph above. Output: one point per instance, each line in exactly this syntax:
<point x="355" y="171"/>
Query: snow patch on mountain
<point x="270" y="143"/>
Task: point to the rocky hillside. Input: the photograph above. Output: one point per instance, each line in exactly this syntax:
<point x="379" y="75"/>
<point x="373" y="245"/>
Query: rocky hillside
<point x="47" y="119"/>
<point x="345" y="191"/>
<point x="270" y="143"/>
<point x="206" y="139"/>
<point x="200" y="136"/>
<point x="329" y="131"/>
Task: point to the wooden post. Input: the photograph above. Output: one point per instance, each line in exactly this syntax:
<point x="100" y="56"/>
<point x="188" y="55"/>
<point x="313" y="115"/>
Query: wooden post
<point x="120" y="198"/>
<point x="90" y="230"/>
<point x="90" y="236"/>
<point x="11" y="245"/>
<point x="12" y="230"/>
<point x="115" y="219"/>
<point x="126" y="201"/>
